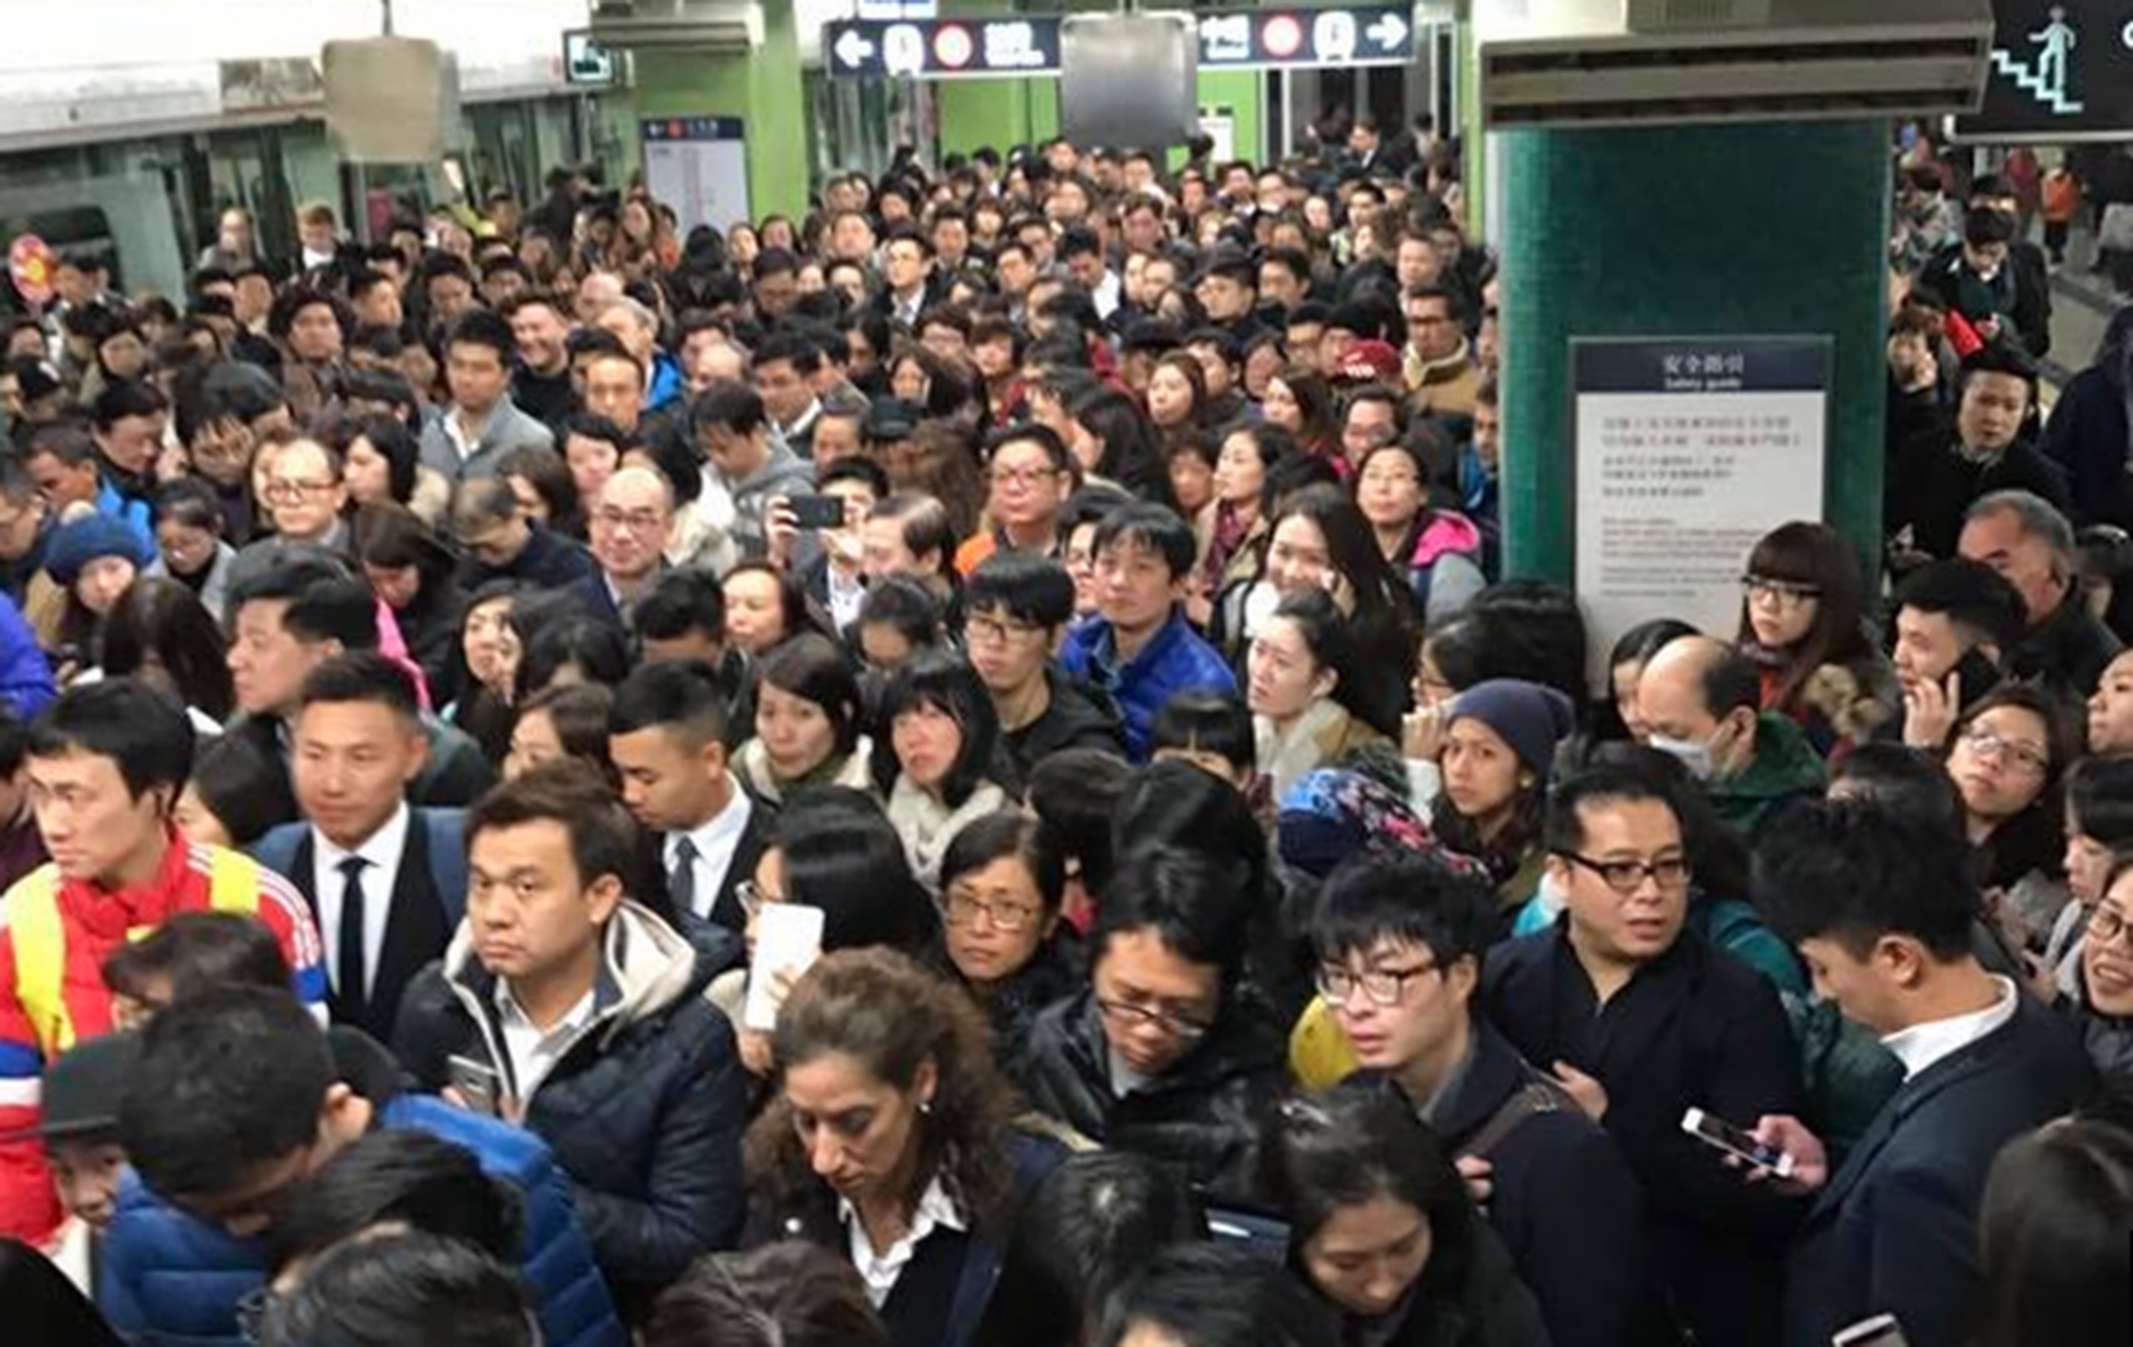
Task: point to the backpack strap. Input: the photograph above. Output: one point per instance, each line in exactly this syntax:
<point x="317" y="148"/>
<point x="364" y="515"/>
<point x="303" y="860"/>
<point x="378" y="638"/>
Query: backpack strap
<point x="1535" y="1097"/>
<point x="448" y="860"/>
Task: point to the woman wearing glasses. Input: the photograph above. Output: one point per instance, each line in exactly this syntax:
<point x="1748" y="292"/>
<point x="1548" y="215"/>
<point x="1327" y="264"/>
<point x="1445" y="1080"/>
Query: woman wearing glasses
<point x="890" y="1140"/>
<point x="1001" y="888"/>
<point x="2103" y="1006"/>
<point x="2006" y="757"/>
<point x="1803" y="620"/>
<point x="1161" y="1055"/>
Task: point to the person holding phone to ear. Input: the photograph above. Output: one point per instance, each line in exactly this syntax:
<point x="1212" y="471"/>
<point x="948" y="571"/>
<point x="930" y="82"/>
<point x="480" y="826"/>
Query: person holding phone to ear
<point x="591" y="1012"/>
<point x="1955" y="620"/>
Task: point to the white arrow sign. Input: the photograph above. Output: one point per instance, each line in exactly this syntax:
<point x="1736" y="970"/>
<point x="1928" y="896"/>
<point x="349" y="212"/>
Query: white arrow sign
<point x="852" y="49"/>
<point x="1388" y="33"/>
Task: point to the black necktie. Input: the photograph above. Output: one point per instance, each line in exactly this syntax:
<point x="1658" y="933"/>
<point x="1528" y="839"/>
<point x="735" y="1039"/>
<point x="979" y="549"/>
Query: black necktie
<point x="681" y="888"/>
<point x="348" y="971"/>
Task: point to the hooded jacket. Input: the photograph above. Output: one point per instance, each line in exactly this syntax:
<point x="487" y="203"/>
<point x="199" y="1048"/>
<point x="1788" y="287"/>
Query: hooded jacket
<point x="784" y="473"/>
<point x="644" y="1108"/>
<point x="1785" y="767"/>
<point x="2091" y="430"/>
<point x="1199" y="1117"/>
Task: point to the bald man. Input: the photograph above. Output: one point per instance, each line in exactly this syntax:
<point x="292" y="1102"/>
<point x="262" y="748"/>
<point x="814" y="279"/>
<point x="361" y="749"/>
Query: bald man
<point x="629" y="525"/>
<point x="1701" y="698"/>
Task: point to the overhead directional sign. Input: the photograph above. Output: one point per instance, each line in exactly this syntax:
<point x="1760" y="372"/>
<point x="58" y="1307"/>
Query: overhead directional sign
<point x="2060" y="72"/>
<point x="975" y="47"/>
<point x="1343" y="35"/>
<point x="944" y="49"/>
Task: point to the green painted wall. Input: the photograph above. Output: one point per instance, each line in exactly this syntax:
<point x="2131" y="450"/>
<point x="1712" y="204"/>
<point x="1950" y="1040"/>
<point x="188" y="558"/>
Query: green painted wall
<point x="761" y="87"/>
<point x="1242" y="91"/>
<point x="1765" y="230"/>
<point x="999" y="113"/>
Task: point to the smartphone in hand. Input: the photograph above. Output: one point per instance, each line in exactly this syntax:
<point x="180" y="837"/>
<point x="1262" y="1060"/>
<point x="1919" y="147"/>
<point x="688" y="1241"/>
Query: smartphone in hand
<point x="477" y="1084"/>
<point x="822" y="511"/>
<point x="788" y="938"/>
<point x="1721" y="1135"/>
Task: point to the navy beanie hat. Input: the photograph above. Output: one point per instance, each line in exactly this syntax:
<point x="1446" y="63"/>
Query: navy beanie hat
<point x="75" y="545"/>
<point x="1531" y="717"/>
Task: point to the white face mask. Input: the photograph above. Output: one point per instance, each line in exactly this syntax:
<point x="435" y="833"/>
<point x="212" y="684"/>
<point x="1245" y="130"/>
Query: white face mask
<point x="1692" y="755"/>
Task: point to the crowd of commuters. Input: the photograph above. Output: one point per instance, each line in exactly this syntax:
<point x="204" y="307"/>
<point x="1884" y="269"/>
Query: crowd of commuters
<point x="962" y="772"/>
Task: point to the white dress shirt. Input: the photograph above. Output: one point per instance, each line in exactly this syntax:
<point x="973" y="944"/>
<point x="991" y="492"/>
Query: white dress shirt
<point x="535" y="1051"/>
<point x="1921" y="1045"/>
<point x="716" y="840"/>
<point x="382" y="850"/>
<point x="846" y="597"/>
<point x="881" y="1270"/>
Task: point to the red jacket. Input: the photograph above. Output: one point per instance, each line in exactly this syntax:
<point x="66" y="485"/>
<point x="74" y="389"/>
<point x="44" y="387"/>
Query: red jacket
<point x="55" y="934"/>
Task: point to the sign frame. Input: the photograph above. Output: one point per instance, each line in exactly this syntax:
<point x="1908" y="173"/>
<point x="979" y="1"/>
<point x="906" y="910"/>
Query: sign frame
<point x="873" y="31"/>
<point x="718" y="131"/>
<point x="618" y="62"/>
<point x="1817" y="349"/>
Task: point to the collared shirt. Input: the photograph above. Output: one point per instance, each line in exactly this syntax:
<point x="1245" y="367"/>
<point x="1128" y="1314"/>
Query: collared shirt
<point x="1921" y="1045"/>
<point x="535" y="1051"/>
<point x="845" y="596"/>
<point x="716" y="840"/>
<point x="800" y="423"/>
<point x="382" y="852"/>
<point x="881" y="1270"/>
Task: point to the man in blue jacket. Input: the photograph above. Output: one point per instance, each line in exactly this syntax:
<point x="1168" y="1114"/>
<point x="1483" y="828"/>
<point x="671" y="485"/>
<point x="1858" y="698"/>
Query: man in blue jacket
<point x="1882" y="910"/>
<point x="1138" y="647"/>
<point x="238" y="1095"/>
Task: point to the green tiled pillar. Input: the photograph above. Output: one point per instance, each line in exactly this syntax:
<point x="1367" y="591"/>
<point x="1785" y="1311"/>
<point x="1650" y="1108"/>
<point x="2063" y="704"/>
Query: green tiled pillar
<point x="1754" y="230"/>
<point x="762" y="87"/>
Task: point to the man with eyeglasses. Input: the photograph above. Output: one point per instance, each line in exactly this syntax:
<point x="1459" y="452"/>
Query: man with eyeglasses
<point x="1438" y="364"/>
<point x="1640" y="1018"/>
<point x="1400" y="945"/>
<point x="629" y="527"/>
<point x="1016" y="610"/>
<point x="304" y="493"/>
<point x="1030" y="473"/>
<point x="1701" y="699"/>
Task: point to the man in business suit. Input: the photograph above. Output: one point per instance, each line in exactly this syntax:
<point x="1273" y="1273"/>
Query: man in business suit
<point x="385" y="879"/>
<point x="667" y="738"/>
<point x="1881" y="909"/>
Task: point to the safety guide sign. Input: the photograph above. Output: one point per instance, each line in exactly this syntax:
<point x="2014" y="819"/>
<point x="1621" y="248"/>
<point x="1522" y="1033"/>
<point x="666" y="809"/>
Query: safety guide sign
<point x="2061" y="70"/>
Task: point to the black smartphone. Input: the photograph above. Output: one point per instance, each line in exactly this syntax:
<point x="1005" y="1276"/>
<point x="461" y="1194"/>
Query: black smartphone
<point x="817" y="511"/>
<point x="1979" y="676"/>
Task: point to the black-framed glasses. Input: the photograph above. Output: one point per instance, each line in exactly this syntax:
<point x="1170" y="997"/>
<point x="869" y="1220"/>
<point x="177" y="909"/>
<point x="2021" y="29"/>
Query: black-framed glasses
<point x="1784" y="591"/>
<point x="1385" y="986"/>
<point x="2104" y="924"/>
<point x="1668" y="872"/>
<point x="1128" y="1015"/>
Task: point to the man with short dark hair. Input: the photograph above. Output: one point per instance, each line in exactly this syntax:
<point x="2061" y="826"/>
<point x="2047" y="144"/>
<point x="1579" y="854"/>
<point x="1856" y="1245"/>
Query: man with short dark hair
<point x="106" y="763"/>
<point x="482" y="424"/>
<point x="1956" y="620"/>
<point x="754" y="467"/>
<point x="1639" y="1017"/>
<point x="667" y="737"/>
<point x="386" y="880"/>
<point x="1400" y="945"/>
<point x="237" y="1098"/>
<point x="1881" y="909"/>
<point x="1030" y="473"/>
<point x="1934" y="478"/>
<point x="785" y="367"/>
<point x="1438" y="362"/>
<point x="592" y="1011"/>
<point x="127" y="421"/>
<point x="1701" y="698"/>
<point x="1017" y="608"/>
<point x="907" y="278"/>
<point x="1139" y="648"/>
<point x="540" y="379"/>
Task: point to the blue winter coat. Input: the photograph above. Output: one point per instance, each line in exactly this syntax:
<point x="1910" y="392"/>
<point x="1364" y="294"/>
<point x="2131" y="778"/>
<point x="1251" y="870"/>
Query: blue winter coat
<point x="25" y="675"/>
<point x="1175" y="661"/>
<point x="169" y="1280"/>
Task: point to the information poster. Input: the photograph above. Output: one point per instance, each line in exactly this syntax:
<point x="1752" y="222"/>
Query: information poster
<point x="699" y="166"/>
<point x="1685" y="452"/>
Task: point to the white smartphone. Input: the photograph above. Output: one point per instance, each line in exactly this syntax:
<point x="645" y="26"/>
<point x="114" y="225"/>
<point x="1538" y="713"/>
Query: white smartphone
<point x="788" y="938"/>
<point x="1880" y="1331"/>
<point x="478" y="1084"/>
<point x="1718" y="1133"/>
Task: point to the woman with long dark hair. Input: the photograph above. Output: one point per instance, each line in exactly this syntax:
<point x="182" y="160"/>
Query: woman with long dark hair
<point x="1381" y="1226"/>
<point x="1301" y="679"/>
<point x="934" y="761"/>
<point x="414" y="573"/>
<point x="1130" y="447"/>
<point x="161" y="633"/>
<point x="1300" y="401"/>
<point x="890" y="1126"/>
<point x="1803" y="619"/>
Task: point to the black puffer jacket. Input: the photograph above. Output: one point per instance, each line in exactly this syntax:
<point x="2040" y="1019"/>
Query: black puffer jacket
<point x="646" y="1107"/>
<point x="1201" y="1116"/>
